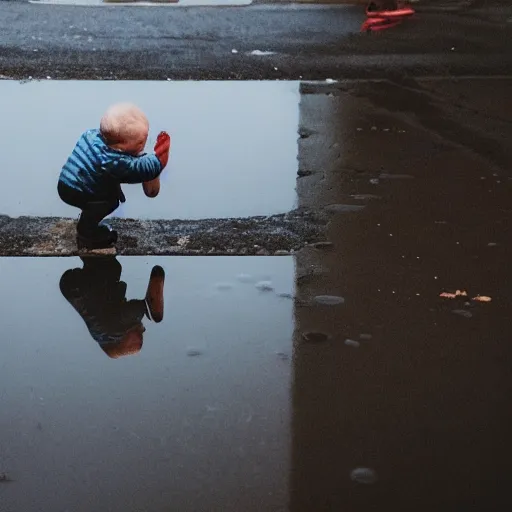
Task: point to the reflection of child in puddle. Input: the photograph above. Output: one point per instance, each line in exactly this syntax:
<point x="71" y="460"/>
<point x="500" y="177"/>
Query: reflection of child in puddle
<point x="99" y="296"/>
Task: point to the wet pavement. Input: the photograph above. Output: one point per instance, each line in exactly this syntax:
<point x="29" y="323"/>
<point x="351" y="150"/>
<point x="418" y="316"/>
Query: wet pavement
<point x="374" y="366"/>
<point x="404" y="403"/>
<point x="234" y="145"/>
<point x="291" y="42"/>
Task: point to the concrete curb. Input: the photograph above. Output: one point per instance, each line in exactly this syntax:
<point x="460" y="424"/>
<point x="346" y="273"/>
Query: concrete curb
<point x="263" y="236"/>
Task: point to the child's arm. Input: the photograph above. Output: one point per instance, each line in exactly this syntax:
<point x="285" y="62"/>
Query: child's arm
<point x="140" y="169"/>
<point x="136" y="169"/>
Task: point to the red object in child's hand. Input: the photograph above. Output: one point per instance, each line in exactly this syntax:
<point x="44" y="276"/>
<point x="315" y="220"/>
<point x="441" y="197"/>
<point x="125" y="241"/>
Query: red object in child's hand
<point x="162" y="147"/>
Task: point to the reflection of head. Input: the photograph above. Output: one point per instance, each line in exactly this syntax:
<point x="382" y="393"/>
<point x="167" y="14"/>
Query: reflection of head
<point x="125" y="127"/>
<point x="130" y="344"/>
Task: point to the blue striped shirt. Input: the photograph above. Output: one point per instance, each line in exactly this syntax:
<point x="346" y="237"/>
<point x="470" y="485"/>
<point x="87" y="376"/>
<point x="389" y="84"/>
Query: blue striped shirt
<point x="95" y="168"/>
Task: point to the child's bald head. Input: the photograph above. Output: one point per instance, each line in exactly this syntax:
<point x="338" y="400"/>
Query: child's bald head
<point x="125" y="127"/>
<point x="130" y="344"/>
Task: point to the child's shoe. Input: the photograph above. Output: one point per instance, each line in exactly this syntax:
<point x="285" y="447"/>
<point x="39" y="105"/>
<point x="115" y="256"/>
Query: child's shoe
<point x="106" y="238"/>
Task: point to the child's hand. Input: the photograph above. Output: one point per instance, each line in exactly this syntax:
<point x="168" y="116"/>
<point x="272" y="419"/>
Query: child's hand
<point x="162" y="147"/>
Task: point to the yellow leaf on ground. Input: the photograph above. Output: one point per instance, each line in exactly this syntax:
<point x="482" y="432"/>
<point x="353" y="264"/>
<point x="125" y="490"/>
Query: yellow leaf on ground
<point x="482" y="298"/>
<point x="458" y="293"/>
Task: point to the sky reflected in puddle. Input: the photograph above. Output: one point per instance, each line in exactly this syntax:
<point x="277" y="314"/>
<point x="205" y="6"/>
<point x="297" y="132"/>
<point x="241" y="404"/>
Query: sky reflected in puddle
<point x="234" y="145"/>
<point x="199" y="413"/>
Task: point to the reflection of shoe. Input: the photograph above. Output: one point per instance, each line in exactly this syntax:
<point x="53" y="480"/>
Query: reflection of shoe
<point x="155" y="294"/>
<point x="105" y="240"/>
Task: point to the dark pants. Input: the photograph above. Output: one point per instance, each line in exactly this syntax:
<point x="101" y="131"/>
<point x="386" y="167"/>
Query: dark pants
<point x="94" y="209"/>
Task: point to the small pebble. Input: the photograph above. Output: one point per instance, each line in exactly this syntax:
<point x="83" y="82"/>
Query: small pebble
<point x="344" y="208"/>
<point x="329" y="300"/>
<point x="234" y="51"/>
<point x="462" y="312"/>
<point x="364" y="197"/>
<point x="352" y="343"/>
<point x="285" y="295"/>
<point x="194" y="352"/>
<point x="281" y="253"/>
<point x="492" y="244"/>
<point x="322" y="245"/>
<point x="365" y="337"/>
<point x="315" y="337"/>
<point x="283" y="356"/>
<point x="265" y="286"/>
<point x="363" y="476"/>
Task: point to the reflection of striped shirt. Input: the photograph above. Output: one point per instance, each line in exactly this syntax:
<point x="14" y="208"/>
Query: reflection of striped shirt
<point x="95" y="168"/>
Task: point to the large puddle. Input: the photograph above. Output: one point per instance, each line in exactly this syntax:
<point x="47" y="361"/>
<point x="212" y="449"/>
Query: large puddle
<point x="197" y="420"/>
<point x="234" y="145"/>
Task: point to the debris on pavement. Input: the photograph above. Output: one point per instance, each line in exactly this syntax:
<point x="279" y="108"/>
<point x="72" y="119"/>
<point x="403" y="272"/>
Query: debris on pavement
<point x="463" y="312"/>
<point x="259" y="53"/>
<point x="363" y="476"/>
<point x="315" y="337"/>
<point x="329" y="300"/>
<point x="458" y="293"/>
<point x="344" y="208"/>
<point x="482" y="298"/>
<point x="463" y="293"/>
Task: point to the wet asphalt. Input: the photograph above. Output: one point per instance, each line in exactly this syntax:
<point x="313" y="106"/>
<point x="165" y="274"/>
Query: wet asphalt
<point x="401" y="381"/>
<point x="310" y="42"/>
<point x="367" y="372"/>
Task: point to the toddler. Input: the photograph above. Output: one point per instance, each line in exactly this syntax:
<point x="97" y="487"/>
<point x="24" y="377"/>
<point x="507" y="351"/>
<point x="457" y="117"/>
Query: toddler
<point x="103" y="159"/>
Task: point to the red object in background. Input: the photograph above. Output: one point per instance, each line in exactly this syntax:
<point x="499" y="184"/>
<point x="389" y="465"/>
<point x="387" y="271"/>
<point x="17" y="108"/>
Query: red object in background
<point x="373" y="24"/>
<point x="397" y="13"/>
<point x="384" y="14"/>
